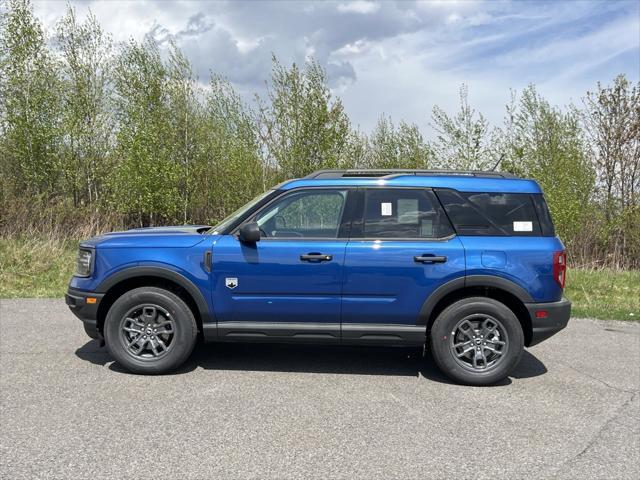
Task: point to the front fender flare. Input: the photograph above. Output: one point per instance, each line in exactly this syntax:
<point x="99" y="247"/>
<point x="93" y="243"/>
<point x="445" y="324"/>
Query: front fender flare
<point x="160" y="272"/>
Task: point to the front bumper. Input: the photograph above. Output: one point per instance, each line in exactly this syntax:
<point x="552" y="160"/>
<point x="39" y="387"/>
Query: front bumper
<point x="557" y="317"/>
<point x="85" y="311"/>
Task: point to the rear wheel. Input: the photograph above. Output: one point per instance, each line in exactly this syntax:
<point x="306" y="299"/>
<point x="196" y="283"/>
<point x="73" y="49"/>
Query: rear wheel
<point x="150" y="330"/>
<point x="477" y="341"/>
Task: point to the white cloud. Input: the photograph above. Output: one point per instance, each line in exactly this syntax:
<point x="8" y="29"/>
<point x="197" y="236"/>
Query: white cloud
<point x="399" y="58"/>
<point x="359" y="6"/>
<point x="246" y="45"/>
<point x="354" y="48"/>
<point x="453" y="18"/>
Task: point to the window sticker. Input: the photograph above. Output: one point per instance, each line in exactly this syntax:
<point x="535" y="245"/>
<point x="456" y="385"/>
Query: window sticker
<point x="408" y="210"/>
<point x="426" y="228"/>
<point x="523" y="226"/>
<point x="386" y="209"/>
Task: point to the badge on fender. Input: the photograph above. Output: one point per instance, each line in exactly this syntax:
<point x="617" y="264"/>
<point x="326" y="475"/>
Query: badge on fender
<point x="231" y="282"/>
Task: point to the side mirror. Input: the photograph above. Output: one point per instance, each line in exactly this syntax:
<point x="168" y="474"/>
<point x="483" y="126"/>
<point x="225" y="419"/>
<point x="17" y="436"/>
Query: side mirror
<point x="249" y="233"/>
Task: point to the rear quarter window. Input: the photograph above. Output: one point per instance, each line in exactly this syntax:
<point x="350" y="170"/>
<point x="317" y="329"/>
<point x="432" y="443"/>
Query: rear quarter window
<point x="492" y="214"/>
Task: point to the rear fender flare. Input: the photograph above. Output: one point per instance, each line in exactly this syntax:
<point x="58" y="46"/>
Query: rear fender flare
<point x="459" y="283"/>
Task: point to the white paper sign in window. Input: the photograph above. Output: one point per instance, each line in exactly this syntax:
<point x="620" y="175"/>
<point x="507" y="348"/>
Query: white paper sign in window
<point x="523" y="226"/>
<point x="408" y="210"/>
<point x="426" y="228"/>
<point x="386" y="209"/>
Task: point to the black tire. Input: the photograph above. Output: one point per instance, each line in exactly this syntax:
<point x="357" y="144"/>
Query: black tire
<point x="171" y="309"/>
<point x="449" y="330"/>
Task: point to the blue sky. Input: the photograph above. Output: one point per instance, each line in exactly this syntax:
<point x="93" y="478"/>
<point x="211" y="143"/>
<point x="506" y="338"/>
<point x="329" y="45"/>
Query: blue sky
<point x="396" y="58"/>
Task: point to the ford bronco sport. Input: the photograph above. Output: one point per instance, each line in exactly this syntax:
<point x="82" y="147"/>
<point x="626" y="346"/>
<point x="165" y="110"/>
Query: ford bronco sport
<point x="464" y="263"/>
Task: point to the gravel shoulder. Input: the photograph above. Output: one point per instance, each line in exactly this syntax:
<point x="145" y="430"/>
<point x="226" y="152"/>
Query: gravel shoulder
<point x="571" y="410"/>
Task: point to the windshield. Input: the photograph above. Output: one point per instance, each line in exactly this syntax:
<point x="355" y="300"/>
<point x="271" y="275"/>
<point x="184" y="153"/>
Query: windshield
<point x="238" y="213"/>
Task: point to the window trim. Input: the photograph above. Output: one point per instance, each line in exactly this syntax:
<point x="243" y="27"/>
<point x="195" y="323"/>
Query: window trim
<point x="343" y="224"/>
<point x="358" y="223"/>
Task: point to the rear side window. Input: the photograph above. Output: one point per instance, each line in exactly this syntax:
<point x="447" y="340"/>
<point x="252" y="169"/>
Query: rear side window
<point x="491" y="214"/>
<point x="403" y="213"/>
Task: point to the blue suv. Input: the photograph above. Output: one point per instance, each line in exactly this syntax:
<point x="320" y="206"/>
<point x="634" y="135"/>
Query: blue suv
<point x="464" y="263"/>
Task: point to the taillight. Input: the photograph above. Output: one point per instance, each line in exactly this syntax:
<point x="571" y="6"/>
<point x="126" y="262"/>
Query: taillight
<point x="560" y="268"/>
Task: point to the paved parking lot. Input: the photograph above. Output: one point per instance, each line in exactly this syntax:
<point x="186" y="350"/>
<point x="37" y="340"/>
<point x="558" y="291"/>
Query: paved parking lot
<point x="259" y="411"/>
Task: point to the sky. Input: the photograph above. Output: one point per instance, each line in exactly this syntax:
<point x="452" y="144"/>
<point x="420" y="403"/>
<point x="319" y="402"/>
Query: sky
<point x="393" y="58"/>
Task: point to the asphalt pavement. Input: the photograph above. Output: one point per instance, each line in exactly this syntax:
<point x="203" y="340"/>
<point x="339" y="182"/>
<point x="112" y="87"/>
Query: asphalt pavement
<point x="571" y="409"/>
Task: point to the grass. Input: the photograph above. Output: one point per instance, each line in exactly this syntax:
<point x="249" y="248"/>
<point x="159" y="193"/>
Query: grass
<point x="605" y="294"/>
<point x="35" y="267"/>
<point x="42" y="268"/>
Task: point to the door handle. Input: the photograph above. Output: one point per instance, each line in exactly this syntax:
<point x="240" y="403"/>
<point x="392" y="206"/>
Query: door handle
<point x="316" y="257"/>
<point x="430" y="259"/>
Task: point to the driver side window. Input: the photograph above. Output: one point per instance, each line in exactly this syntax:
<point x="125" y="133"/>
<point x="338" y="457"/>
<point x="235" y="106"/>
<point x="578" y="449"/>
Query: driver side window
<point x="306" y="214"/>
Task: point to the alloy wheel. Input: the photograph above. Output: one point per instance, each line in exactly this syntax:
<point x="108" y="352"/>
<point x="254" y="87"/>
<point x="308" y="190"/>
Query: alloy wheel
<point x="479" y="342"/>
<point x="147" y="332"/>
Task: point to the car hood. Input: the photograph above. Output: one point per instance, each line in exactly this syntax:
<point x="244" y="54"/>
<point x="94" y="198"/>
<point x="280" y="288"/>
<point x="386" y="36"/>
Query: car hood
<point x="180" y="236"/>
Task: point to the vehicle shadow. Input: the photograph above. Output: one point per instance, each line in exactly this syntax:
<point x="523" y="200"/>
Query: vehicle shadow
<point x="299" y="358"/>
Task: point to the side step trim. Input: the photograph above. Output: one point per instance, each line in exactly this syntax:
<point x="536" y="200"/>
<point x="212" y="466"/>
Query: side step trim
<point x="279" y="332"/>
<point x="302" y="332"/>
<point x="376" y="334"/>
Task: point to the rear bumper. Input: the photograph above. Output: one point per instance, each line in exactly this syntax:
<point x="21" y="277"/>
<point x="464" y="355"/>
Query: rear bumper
<point x="557" y="317"/>
<point x="87" y="312"/>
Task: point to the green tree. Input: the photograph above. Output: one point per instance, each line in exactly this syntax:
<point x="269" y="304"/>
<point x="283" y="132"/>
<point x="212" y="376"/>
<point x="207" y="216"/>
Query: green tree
<point x="611" y="119"/>
<point x="30" y="109"/>
<point x="186" y="126"/>
<point x="302" y="127"/>
<point x="146" y="181"/>
<point x="401" y="147"/>
<point x="356" y="151"/>
<point x="87" y="120"/>
<point x="231" y="171"/>
<point x="464" y="141"/>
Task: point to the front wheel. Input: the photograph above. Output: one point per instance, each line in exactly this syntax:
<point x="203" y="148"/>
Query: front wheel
<point x="150" y="330"/>
<point x="477" y="341"/>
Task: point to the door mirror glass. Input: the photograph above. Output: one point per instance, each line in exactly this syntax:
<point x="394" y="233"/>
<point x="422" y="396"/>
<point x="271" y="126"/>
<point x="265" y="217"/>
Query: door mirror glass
<point x="249" y="233"/>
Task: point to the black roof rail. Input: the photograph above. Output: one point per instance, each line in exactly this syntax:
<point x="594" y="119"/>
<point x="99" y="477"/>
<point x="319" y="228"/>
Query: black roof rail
<point x="393" y="172"/>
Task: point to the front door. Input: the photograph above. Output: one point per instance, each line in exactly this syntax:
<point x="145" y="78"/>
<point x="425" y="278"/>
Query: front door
<point x="401" y="251"/>
<point x="287" y="286"/>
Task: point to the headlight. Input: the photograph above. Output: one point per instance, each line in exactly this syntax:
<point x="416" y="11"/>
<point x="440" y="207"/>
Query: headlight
<point x="84" y="263"/>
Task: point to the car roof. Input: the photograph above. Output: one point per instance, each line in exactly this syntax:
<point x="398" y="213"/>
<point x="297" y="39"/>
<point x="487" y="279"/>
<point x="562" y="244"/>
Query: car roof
<point x="464" y="181"/>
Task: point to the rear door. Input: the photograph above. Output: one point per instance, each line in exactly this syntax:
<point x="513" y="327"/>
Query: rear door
<point x="401" y="250"/>
<point x="286" y="286"/>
